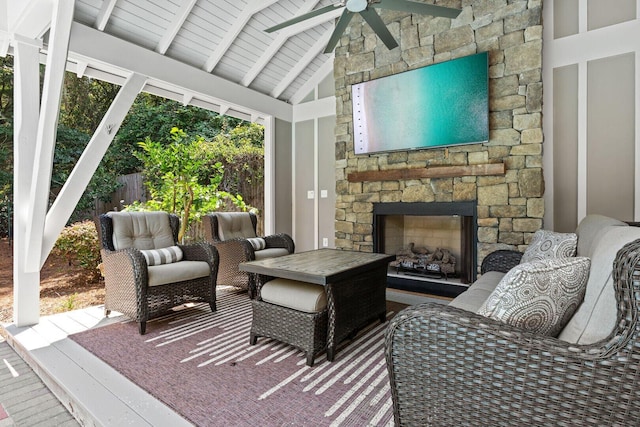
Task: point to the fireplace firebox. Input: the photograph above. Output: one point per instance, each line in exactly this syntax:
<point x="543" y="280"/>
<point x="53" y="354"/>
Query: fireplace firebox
<point x="434" y="243"/>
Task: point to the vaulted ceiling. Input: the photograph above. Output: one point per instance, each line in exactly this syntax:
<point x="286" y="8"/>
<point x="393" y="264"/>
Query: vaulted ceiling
<point x="223" y="38"/>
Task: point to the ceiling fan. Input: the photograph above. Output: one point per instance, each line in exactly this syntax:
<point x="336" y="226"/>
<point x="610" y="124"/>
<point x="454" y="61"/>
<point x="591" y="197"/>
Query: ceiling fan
<point x="366" y="8"/>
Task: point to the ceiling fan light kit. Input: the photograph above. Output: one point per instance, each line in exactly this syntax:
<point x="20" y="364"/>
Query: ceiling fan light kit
<point x="366" y="9"/>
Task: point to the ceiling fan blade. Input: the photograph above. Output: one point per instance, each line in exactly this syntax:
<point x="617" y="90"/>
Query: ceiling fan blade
<point x="378" y="26"/>
<point x="341" y="25"/>
<point x="303" y="17"/>
<point x="414" y="7"/>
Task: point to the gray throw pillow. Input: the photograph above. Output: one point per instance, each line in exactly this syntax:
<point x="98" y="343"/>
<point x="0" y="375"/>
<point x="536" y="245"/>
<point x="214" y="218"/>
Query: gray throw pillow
<point x="540" y="296"/>
<point x="549" y="244"/>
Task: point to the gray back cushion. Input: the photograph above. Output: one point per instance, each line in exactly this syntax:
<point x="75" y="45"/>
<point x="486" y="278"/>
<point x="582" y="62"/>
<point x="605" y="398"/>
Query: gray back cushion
<point x="233" y="225"/>
<point x="141" y="230"/>
<point x="599" y="238"/>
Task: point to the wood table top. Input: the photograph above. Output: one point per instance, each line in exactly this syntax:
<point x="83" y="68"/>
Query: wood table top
<point x="321" y="266"/>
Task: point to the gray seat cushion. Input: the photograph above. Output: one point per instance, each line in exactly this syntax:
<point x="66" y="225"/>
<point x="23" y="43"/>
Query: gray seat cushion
<point x="301" y="296"/>
<point x="177" y="272"/>
<point x="596" y="317"/>
<point x="141" y="230"/>
<point x="234" y="225"/>
<point x="473" y="298"/>
<point x="270" y="253"/>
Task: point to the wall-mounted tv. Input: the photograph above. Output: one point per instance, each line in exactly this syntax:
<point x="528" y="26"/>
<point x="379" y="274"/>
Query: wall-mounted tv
<point x="434" y="106"/>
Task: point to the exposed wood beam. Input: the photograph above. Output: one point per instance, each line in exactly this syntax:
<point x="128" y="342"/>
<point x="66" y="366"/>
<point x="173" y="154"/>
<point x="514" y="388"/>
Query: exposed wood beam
<point x="47" y="126"/>
<point x="317" y="77"/>
<point x="232" y="33"/>
<point x="302" y="63"/>
<point x="104" y="14"/>
<point x="88" y="162"/>
<point x="284" y="35"/>
<point x="120" y="57"/>
<point x="429" y="172"/>
<point x="26" y="106"/>
<point x="175" y="25"/>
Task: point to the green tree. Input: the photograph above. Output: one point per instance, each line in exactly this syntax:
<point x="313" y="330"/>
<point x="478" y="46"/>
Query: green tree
<point x="84" y="102"/>
<point x="69" y="147"/>
<point x="154" y="117"/>
<point x="173" y="173"/>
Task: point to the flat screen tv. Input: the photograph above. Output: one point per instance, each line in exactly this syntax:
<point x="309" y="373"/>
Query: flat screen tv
<point x="434" y="106"/>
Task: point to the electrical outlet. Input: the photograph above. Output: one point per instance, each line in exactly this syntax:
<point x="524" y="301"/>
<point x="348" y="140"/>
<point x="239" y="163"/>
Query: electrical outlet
<point x="325" y="242"/>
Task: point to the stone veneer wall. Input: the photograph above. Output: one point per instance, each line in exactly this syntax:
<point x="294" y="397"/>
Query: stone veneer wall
<point x="510" y="206"/>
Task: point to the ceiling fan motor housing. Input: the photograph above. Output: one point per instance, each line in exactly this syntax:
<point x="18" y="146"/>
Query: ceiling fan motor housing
<point x="357" y="5"/>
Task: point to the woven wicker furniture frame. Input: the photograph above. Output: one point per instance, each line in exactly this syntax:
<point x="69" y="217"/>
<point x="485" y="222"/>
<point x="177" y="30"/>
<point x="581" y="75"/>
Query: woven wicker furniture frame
<point x="126" y="278"/>
<point x="355" y="283"/>
<point x="452" y="367"/>
<point x="234" y="251"/>
<point x="306" y="331"/>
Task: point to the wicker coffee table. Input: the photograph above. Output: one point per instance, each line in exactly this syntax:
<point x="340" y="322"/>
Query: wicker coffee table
<point x="355" y="283"/>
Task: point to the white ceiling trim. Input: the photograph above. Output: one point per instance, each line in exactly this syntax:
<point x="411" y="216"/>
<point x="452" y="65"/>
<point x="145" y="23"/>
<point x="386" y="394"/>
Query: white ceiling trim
<point x="302" y="63"/>
<point x="4" y="16"/>
<point x="114" y="55"/>
<point x="105" y="13"/>
<point x="30" y="19"/>
<point x="325" y="69"/>
<point x="232" y="33"/>
<point x="176" y="24"/>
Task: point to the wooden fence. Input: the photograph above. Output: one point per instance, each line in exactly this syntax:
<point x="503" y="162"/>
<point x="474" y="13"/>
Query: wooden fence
<point x="133" y="189"/>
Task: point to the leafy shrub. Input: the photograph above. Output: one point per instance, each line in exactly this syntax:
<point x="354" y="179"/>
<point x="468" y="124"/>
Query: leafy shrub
<point x="79" y="244"/>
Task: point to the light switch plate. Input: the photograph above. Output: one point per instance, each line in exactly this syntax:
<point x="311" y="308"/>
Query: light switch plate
<point x="311" y="194"/>
<point x="325" y="242"/>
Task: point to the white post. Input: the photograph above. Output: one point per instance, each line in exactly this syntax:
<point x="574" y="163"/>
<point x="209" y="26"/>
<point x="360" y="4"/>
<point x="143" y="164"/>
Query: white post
<point x="47" y="127"/>
<point x="26" y="94"/>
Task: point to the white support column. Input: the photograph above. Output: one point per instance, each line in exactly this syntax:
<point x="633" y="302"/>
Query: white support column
<point x="26" y="94"/>
<point x="269" y="175"/>
<point x="47" y="125"/>
<point x="93" y="153"/>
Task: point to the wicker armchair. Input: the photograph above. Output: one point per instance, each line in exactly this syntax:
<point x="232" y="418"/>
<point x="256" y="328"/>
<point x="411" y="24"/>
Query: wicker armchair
<point x="501" y="260"/>
<point x="229" y="233"/>
<point x="453" y="367"/>
<point x="143" y="292"/>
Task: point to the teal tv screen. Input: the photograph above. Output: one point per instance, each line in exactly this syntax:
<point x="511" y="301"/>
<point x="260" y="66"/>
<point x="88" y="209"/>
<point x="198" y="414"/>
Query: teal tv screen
<point x="434" y="106"/>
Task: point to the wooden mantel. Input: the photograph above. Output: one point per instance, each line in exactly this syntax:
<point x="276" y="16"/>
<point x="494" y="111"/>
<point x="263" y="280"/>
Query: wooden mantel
<point x="429" y="172"/>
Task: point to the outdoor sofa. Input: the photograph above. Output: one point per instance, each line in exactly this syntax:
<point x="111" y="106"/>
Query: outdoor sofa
<point x="449" y="365"/>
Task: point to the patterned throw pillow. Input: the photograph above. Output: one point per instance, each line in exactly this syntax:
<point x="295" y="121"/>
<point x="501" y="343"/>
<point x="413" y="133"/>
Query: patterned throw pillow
<point x="549" y="244"/>
<point x="162" y="256"/>
<point x="258" y="243"/>
<point x="539" y="296"/>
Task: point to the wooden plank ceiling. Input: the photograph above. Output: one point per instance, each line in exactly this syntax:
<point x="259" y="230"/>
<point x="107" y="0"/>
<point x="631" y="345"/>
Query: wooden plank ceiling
<point x="225" y="38"/>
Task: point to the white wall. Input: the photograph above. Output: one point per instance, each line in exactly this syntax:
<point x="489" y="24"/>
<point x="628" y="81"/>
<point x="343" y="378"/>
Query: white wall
<point x="313" y="174"/>
<point x="591" y="76"/>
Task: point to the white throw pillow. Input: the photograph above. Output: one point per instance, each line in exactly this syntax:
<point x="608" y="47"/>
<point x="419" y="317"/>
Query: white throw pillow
<point x="162" y="256"/>
<point x="549" y="244"/>
<point x="539" y="296"/>
<point x="258" y="243"/>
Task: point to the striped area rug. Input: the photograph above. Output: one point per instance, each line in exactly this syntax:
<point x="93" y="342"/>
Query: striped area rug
<point x="201" y="364"/>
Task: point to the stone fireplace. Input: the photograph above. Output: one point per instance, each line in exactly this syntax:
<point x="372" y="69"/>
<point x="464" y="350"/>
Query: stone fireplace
<point x="419" y="234"/>
<point x="502" y="178"/>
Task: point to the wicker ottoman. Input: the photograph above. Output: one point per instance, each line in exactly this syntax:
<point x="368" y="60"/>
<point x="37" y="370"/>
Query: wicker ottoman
<point x="292" y="312"/>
